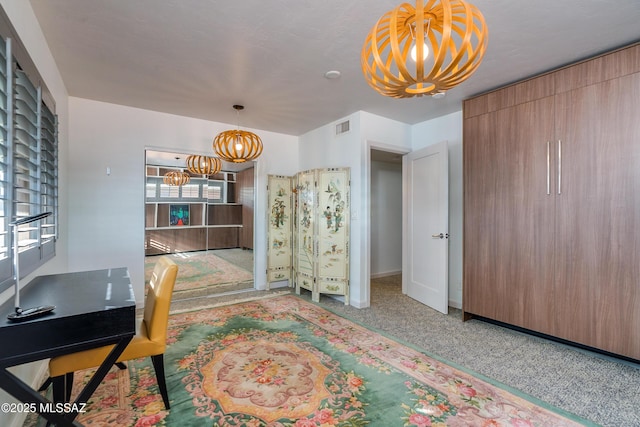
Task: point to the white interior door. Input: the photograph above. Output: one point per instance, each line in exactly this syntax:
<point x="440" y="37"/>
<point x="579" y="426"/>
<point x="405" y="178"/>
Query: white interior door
<point x="426" y="226"/>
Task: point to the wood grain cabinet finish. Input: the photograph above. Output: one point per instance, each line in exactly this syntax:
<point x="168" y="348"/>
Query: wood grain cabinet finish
<point x="245" y="196"/>
<point x="597" y="249"/>
<point x="224" y="214"/>
<point x="552" y="204"/>
<point x="509" y="215"/>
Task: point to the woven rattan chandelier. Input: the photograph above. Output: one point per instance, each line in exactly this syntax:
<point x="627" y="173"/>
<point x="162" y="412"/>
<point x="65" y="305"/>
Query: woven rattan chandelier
<point x="176" y="178"/>
<point x="449" y="35"/>
<point x="237" y="145"/>
<point x="203" y="165"/>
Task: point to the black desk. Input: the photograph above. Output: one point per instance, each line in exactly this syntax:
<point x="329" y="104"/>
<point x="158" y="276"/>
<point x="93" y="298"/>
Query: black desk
<point x="93" y="309"/>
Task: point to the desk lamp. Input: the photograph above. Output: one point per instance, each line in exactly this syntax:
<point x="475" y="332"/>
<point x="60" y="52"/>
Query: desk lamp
<point x="28" y="313"/>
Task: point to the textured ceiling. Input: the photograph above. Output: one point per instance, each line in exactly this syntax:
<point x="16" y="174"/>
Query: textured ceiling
<point x="197" y="58"/>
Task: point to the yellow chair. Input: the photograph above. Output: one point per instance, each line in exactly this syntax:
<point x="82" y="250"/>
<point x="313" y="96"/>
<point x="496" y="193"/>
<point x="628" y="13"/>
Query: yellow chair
<point x="150" y="339"/>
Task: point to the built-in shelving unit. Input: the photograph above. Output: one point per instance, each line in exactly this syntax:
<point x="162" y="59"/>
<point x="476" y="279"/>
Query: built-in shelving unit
<point x="203" y="214"/>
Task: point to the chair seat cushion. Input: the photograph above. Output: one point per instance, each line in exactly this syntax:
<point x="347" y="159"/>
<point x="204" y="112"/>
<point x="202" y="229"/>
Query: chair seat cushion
<point x="140" y="346"/>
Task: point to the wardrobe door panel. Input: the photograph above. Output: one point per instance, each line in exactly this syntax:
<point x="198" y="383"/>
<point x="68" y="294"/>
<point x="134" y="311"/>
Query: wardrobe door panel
<point x="598" y="222"/>
<point x="509" y="215"/>
<point x="480" y="234"/>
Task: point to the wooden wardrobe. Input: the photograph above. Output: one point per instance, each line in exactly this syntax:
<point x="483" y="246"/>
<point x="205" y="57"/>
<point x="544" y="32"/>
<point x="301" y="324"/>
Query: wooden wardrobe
<point x="552" y="204"/>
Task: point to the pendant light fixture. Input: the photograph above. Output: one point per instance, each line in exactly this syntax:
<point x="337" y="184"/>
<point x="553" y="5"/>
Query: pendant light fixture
<point x="176" y="178"/>
<point x="425" y="50"/>
<point x="237" y="146"/>
<point x="203" y="165"/>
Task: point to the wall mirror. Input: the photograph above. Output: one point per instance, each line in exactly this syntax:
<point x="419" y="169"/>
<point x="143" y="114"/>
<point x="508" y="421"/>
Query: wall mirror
<point x="204" y="225"/>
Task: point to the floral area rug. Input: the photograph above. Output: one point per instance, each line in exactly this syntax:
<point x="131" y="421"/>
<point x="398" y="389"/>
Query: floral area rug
<point x="285" y="362"/>
<point x="201" y="269"/>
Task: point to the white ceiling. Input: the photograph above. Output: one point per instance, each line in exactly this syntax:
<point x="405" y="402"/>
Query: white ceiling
<point x="197" y="58"/>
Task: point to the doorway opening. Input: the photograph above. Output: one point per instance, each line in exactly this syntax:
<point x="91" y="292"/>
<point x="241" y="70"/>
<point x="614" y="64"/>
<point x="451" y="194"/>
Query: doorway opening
<point x="421" y="216"/>
<point x="385" y="224"/>
<point x="205" y="226"/>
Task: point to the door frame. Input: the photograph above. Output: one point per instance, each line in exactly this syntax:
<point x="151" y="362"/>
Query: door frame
<point x="365" y="265"/>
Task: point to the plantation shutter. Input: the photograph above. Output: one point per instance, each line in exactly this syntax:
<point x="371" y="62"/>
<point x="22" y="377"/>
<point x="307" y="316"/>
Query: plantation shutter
<point x="48" y="173"/>
<point x="5" y="214"/>
<point x="26" y="158"/>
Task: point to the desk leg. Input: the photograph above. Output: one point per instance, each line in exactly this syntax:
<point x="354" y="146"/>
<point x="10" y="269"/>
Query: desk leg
<point x="21" y="391"/>
<point x="18" y="389"/>
<point x="102" y="371"/>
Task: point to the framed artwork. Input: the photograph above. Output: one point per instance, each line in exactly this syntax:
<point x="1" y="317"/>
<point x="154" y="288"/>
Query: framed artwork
<point x="178" y="215"/>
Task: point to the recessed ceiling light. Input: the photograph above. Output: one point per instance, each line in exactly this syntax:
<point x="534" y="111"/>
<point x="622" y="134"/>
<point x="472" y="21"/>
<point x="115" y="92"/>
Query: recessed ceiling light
<point x="333" y="74"/>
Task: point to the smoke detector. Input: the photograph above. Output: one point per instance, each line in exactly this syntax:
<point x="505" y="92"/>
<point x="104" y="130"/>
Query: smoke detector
<point x="333" y="74"/>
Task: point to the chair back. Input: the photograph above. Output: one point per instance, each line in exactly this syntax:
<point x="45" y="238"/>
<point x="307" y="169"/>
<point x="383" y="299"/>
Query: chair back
<point x="158" y="299"/>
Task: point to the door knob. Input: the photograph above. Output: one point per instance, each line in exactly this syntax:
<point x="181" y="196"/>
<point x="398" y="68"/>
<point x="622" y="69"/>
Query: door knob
<point x="440" y="236"/>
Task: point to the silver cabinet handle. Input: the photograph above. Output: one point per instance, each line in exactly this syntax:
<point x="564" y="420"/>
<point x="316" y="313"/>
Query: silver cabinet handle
<point x="548" y="168"/>
<point x="559" y="167"/>
<point x="440" y="236"/>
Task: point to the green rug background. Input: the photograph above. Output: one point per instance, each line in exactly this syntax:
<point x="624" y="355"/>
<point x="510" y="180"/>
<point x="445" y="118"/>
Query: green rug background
<point x="201" y="269"/>
<point x="388" y="396"/>
<point x="380" y="397"/>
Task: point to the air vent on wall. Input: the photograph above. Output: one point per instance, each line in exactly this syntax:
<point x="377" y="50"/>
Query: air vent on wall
<point x="342" y="127"/>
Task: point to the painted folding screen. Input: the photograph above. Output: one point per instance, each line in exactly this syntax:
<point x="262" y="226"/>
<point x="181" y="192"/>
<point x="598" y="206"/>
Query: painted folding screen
<point x="332" y="270"/>
<point x="321" y="250"/>
<point x="280" y="222"/>
<point x="305" y="230"/>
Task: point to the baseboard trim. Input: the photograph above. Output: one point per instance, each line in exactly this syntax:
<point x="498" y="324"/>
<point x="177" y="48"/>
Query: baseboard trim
<point x="386" y="274"/>
<point x="279" y="284"/>
<point x="455" y="304"/>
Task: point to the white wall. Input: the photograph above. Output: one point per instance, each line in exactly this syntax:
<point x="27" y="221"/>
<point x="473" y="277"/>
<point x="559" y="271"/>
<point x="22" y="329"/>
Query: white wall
<point x="322" y="148"/>
<point x="107" y="212"/>
<point x="448" y="128"/>
<point x="384" y="134"/>
<point x="23" y="19"/>
<point x="386" y="219"/>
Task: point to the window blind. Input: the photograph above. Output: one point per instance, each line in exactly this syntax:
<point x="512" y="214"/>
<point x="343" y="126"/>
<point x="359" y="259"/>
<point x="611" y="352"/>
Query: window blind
<point x="6" y="260"/>
<point x="28" y="168"/>
<point x="48" y="172"/>
<point x="26" y="157"/>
